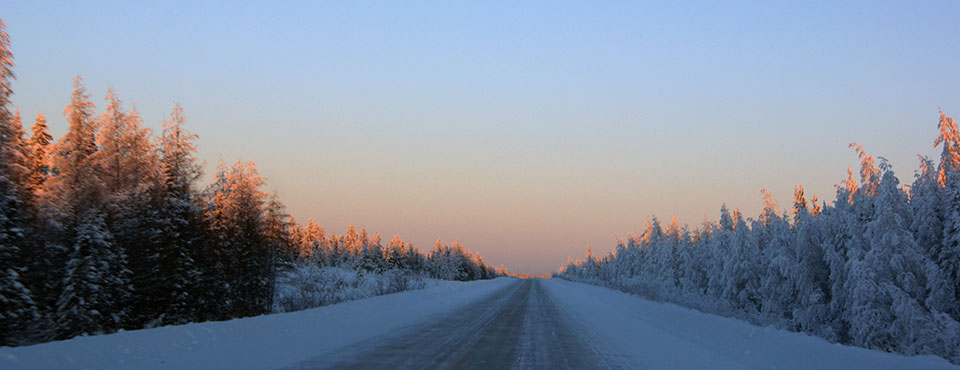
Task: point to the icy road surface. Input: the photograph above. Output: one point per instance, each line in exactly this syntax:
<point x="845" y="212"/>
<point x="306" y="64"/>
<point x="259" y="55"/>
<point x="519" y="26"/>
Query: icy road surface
<point x="519" y="328"/>
<point x="496" y="324"/>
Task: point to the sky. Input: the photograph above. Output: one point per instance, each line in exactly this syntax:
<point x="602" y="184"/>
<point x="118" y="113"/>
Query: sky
<point x="528" y="130"/>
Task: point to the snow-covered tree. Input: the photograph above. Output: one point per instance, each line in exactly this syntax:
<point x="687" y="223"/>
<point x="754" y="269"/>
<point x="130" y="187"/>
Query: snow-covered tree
<point x="239" y="259"/>
<point x="14" y="155"/>
<point x="17" y="309"/>
<point x="887" y="273"/>
<point x="105" y="228"/>
<point x="877" y="268"/>
<point x="38" y="148"/>
<point x="74" y="184"/>
<point x="948" y="255"/>
<point x="12" y="146"/>
<point x="6" y="74"/>
<point x="178" y="239"/>
<point x="95" y="287"/>
<point x="18" y="312"/>
<point x="130" y="190"/>
<point x="778" y="290"/>
<point x="126" y="157"/>
<point x="741" y="272"/>
<point x="949" y="140"/>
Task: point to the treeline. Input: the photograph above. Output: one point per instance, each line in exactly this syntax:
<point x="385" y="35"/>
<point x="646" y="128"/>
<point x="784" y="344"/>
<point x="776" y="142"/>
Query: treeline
<point x="877" y="268"/>
<point x="330" y="269"/>
<point x="106" y="229"/>
<point x="359" y="251"/>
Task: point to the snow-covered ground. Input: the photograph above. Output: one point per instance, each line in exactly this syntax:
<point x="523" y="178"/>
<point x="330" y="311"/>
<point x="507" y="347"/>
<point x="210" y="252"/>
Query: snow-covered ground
<point x="262" y="342"/>
<point x="608" y="328"/>
<point x="655" y="335"/>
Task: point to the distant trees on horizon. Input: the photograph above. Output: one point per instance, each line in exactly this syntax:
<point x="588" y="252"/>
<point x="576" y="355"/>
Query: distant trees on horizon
<point x="878" y="268"/>
<point x="106" y="229"/>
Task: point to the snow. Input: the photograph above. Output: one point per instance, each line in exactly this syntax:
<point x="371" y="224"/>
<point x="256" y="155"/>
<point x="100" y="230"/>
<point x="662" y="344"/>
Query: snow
<point x="666" y="336"/>
<point x="626" y="329"/>
<point x="307" y="285"/>
<point x="253" y="343"/>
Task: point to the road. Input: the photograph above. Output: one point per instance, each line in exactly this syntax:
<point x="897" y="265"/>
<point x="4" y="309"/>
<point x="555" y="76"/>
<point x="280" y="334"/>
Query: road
<point x="519" y="327"/>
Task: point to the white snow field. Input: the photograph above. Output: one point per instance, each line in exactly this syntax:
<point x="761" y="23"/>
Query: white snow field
<point x="501" y="323"/>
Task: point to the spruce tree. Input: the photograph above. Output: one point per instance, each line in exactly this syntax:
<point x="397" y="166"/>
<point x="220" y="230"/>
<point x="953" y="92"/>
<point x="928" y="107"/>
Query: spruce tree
<point x="18" y="313"/>
<point x="74" y="184"/>
<point x="176" y="282"/>
<point x="15" y="157"/>
<point x="241" y="260"/>
<point x="129" y="175"/>
<point x="17" y="309"/>
<point x="95" y="285"/>
<point x="38" y="148"/>
<point x="949" y="140"/>
<point x="947" y="255"/>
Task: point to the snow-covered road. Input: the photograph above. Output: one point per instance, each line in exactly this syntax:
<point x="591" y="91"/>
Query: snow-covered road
<point x="501" y="323"/>
<point x="518" y="328"/>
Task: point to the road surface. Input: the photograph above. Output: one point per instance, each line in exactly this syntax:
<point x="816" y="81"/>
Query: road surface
<point x="519" y="327"/>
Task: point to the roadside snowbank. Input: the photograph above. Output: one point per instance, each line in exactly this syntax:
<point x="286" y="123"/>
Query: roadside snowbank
<point x="269" y="341"/>
<point x="666" y="336"/>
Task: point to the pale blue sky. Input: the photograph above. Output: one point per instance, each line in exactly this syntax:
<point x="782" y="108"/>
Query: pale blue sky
<point x="525" y="129"/>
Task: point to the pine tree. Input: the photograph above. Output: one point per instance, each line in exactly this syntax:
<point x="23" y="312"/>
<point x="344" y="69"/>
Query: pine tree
<point x="242" y="257"/>
<point x="799" y="203"/>
<point x="869" y="174"/>
<point x="395" y="253"/>
<point x="277" y="228"/>
<point x="74" y="184"/>
<point x="38" y="147"/>
<point x="317" y="248"/>
<point x="17" y="309"/>
<point x="180" y="214"/>
<point x="719" y="247"/>
<point x="949" y="139"/>
<point x="811" y="277"/>
<point x="11" y="131"/>
<point x="43" y="258"/>
<point x="95" y="286"/>
<point x="15" y="156"/>
<point x="297" y="236"/>
<point x="126" y="158"/>
<point x="129" y="172"/>
<point x="777" y="287"/>
<point x="948" y="255"/>
<point x="6" y="74"/>
<point x="891" y="280"/>
<point x="927" y="203"/>
<point x="371" y="256"/>
<point x="741" y="272"/>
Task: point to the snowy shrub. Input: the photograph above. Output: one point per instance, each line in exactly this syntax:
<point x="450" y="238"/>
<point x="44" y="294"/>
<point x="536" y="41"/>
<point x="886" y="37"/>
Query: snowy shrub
<point x="640" y="288"/>
<point x="306" y="285"/>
